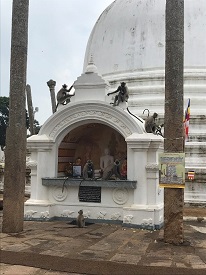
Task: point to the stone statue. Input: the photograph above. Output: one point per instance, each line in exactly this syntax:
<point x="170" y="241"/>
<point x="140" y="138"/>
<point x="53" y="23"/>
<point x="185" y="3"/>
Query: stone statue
<point x="123" y="170"/>
<point x="106" y="159"/>
<point x="122" y="96"/>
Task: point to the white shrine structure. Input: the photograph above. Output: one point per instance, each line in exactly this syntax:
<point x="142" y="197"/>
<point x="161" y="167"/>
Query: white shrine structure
<point x="86" y="126"/>
<point x="127" y="44"/>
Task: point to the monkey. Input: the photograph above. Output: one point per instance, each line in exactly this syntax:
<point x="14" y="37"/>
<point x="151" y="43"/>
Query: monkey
<point x="112" y="169"/>
<point x="63" y="96"/>
<point x="123" y="94"/>
<point x="88" y="170"/>
<point x="80" y="219"/>
<point x="150" y="125"/>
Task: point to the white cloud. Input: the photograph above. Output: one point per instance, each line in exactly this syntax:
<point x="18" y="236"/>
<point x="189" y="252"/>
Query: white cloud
<point x="58" y="35"/>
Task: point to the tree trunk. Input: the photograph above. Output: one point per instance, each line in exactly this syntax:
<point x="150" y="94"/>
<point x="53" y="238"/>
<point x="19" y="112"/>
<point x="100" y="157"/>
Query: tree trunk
<point x="173" y="125"/>
<point x="15" y="154"/>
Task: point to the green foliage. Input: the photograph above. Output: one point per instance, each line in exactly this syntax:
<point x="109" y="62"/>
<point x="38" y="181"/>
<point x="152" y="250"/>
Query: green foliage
<point x="4" y="120"/>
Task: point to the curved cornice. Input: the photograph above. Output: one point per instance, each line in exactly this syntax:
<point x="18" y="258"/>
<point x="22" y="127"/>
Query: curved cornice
<point x="75" y="114"/>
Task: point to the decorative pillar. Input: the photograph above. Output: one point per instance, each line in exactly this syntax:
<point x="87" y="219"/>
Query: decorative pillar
<point x="30" y="109"/>
<point x="43" y="163"/>
<point x="136" y="162"/>
<point x="51" y="84"/>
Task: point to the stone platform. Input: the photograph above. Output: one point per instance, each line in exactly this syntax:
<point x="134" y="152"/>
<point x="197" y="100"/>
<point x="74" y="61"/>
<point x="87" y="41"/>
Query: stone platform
<point x="54" y="248"/>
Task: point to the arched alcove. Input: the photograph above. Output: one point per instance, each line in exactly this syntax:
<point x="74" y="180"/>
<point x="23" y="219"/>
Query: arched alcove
<point x="89" y="141"/>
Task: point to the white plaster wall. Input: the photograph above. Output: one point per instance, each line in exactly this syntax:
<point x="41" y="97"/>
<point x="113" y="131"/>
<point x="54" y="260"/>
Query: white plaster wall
<point x="130" y="35"/>
<point x="133" y="46"/>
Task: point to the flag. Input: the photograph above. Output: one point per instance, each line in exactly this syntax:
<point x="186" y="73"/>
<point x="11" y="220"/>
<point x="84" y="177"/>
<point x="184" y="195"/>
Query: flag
<point x="191" y="175"/>
<point x="186" y="120"/>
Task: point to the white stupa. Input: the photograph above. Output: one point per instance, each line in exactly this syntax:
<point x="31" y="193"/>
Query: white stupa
<point x="130" y="36"/>
<point x="128" y="43"/>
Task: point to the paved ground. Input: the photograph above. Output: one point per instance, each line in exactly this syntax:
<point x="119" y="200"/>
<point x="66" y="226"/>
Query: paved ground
<point x="60" y="248"/>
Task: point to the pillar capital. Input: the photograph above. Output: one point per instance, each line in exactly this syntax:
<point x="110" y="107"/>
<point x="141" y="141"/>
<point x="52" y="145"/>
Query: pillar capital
<point x="51" y="83"/>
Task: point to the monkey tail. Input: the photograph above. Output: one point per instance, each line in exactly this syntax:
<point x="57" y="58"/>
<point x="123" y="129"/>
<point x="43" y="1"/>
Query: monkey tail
<point x="56" y="107"/>
<point x="80" y="185"/>
<point x="134" y="115"/>
<point x="64" y="184"/>
<point x="148" y="112"/>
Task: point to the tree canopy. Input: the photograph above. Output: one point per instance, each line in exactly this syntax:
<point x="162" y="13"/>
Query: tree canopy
<point x="4" y="120"/>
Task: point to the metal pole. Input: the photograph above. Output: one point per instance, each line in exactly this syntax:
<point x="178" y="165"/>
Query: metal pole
<point x="15" y="153"/>
<point x="173" y="125"/>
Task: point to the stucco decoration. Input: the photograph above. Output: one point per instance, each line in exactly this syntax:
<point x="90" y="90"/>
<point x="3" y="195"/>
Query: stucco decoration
<point x="120" y="195"/>
<point x="76" y="114"/>
<point x="152" y="167"/>
<point x="116" y="216"/>
<point x="31" y="164"/>
<point x="101" y="215"/>
<point x="29" y="214"/>
<point x="67" y="213"/>
<point x="128" y="218"/>
<point x="58" y="195"/>
<point x="87" y="214"/>
<point x="44" y="215"/>
<point x="147" y="222"/>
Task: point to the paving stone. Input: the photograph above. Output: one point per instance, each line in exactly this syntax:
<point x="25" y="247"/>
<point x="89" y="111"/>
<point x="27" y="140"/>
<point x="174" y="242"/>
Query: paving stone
<point x="19" y="270"/>
<point x="101" y="242"/>
<point x="199" y="266"/>
<point x="15" y="247"/>
<point x="164" y="262"/>
<point x="51" y="252"/>
<point x="93" y="255"/>
<point x="125" y="258"/>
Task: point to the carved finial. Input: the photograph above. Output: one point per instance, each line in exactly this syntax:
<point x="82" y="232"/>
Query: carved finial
<point x="91" y="61"/>
<point x="91" y="68"/>
<point x="51" y="84"/>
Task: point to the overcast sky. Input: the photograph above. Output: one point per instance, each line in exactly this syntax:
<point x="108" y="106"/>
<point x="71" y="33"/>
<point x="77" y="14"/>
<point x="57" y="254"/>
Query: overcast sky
<point x="58" y="35"/>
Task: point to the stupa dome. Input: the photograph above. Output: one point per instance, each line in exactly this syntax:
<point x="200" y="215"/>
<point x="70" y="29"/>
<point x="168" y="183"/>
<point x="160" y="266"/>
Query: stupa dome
<point x="128" y="44"/>
<point x="130" y="36"/>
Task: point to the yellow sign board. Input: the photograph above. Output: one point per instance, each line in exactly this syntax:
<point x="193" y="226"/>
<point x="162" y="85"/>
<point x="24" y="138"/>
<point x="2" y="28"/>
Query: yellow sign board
<point x="172" y="170"/>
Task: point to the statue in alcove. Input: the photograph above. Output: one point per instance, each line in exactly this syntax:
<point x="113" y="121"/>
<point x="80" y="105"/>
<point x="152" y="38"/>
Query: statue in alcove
<point x="105" y="160"/>
<point x="123" y="169"/>
<point x="69" y="169"/>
